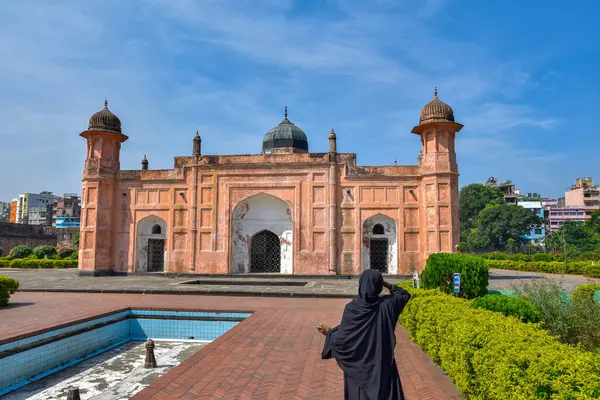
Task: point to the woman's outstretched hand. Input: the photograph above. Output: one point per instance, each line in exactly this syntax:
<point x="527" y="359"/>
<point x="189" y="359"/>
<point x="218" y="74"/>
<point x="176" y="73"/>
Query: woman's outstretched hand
<point x="324" y="329"/>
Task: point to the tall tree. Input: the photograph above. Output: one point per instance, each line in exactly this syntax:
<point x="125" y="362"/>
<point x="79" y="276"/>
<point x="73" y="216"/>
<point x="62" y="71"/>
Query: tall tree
<point x="496" y="224"/>
<point x="473" y="198"/>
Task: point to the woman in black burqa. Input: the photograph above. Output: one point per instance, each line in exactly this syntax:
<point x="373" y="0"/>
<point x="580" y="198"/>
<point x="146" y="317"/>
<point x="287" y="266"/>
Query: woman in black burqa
<point x="363" y="343"/>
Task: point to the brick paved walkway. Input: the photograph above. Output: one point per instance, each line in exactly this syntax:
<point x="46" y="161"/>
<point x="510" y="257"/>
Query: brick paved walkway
<point x="274" y="354"/>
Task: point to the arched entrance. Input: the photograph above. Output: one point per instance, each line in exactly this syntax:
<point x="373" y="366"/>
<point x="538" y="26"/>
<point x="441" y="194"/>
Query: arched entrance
<point x="262" y="236"/>
<point x="265" y="252"/>
<point x="380" y="244"/>
<point x="150" y="243"/>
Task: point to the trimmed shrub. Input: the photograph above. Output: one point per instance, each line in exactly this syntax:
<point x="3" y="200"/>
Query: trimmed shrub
<point x="20" y="252"/>
<point x="584" y="291"/>
<point x="44" y="251"/>
<point x="441" y="267"/>
<point x="543" y="257"/>
<point x="42" y="263"/>
<point x="7" y="287"/>
<point x="64" y="253"/>
<point x="490" y="356"/>
<point x="4" y="262"/>
<point x="592" y="271"/>
<point x="509" y="306"/>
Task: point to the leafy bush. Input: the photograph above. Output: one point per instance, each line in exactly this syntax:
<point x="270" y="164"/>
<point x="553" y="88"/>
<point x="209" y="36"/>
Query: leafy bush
<point x="4" y="262"/>
<point x="574" y="320"/>
<point x="20" y="252"/>
<point x="43" y="263"/>
<point x="509" y="306"/>
<point x="584" y="291"/>
<point x="44" y="251"/>
<point x="543" y="257"/>
<point x="75" y="240"/>
<point x="592" y="271"/>
<point x="441" y="267"/>
<point x="64" y="253"/>
<point x="7" y="287"/>
<point x="490" y="356"/>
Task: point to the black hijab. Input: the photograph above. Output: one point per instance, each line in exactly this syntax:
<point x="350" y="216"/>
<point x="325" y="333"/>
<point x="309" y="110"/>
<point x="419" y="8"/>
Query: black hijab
<point x="363" y="344"/>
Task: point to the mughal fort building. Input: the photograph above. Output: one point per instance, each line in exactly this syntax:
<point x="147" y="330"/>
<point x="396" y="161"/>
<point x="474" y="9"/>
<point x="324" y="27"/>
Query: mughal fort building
<point x="285" y="210"/>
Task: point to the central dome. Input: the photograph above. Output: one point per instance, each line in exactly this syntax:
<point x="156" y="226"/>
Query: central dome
<point x="286" y="135"/>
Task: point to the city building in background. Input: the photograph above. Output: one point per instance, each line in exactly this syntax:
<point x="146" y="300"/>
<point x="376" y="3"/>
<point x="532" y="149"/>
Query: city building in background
<point x="66" y="210"/>
<point x="534" y="203"/>
<point x="557" y="216"/>
<point x="512" y="195"/>
<point x="34" y="209"/>
<point x="583" y="194"/>
<point x="4" y="211"/>
<point x="577" y="205"/>
<point x="13" y="212"/>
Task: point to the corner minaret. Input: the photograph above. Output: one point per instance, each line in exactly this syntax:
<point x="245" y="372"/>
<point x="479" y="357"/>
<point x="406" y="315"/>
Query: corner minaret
<point x="104" y="138"/>
<point x="439" y="177"/>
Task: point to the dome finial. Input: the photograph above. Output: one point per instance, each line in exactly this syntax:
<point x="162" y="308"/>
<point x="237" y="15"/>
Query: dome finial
<point x="106" y="104"/>
<point x="285" y="113"/>
<point x="435" y="91"/>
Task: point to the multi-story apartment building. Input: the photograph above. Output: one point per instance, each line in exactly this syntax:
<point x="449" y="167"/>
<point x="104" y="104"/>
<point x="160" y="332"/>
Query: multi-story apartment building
<point x="577" y="205"/>
<point x="13" y="212"/>
<point x="4" y="211"/>
<point x="512" y="194"/>
<point x="534" y="203"/>
<point x="34" y="209"/>
<point x="584" y="194"/>
<point x="66" y="210"/>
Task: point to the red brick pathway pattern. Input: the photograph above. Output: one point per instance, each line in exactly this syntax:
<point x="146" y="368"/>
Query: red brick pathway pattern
<point x="274" y="354"/>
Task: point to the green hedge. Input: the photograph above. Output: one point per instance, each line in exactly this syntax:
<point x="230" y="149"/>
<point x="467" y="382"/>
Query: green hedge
<point x="490" y="356"/>
<point x="7" y="287"/>
<point x="473" y="271"/>
<point x="509" y="306"/>
<point x="571" y="268"/>
<point x="585" y="256"/>
<point x="43" y="263"/>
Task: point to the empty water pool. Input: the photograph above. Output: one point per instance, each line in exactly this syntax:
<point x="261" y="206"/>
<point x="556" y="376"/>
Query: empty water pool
<point x="34" y="357"/>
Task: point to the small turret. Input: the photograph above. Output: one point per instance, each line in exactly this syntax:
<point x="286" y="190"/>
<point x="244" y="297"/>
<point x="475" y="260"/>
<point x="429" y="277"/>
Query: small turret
<point x="197" y="147"/>
<point x="145" y="164"/>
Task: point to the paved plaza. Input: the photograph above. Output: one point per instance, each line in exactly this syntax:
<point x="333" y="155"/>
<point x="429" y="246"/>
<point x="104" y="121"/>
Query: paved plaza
<point x="274" y="354"/>
<point x="68" y="280"/>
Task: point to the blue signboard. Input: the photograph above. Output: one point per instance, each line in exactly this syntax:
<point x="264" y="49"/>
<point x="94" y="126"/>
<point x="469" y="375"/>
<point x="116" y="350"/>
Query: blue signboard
<point x="456" y="282"/>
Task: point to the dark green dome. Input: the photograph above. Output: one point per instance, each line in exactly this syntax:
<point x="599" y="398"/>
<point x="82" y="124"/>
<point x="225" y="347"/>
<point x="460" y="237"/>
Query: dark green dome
<point x="285" y="135"/>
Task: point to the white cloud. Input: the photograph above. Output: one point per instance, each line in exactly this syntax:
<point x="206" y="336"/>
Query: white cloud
<point x="227" y="67"/>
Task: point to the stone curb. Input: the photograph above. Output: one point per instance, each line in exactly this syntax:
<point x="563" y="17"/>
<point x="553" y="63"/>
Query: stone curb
<point x="254" y="293"/>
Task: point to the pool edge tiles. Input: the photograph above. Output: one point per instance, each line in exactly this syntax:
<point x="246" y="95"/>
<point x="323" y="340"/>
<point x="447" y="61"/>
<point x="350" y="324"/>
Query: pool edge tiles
<point x="35" y="356"/>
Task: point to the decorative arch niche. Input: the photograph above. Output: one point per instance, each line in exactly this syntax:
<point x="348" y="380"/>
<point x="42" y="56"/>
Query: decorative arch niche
<point x="254" y="222"/>
<point x="151" y="238"/>
<point x="380" y="244"/>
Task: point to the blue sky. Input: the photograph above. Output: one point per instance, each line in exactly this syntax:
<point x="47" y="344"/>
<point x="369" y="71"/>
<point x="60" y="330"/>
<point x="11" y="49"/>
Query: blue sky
<point x="521" y="76"/>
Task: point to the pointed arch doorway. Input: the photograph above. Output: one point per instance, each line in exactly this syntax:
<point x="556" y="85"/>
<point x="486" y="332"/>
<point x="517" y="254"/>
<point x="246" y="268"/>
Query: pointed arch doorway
<point x="262" y="236"/>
